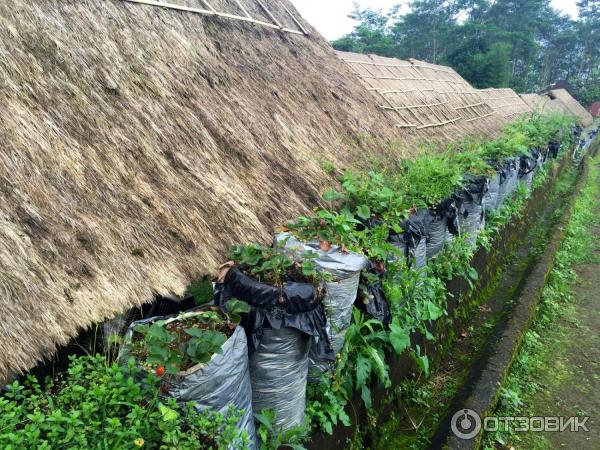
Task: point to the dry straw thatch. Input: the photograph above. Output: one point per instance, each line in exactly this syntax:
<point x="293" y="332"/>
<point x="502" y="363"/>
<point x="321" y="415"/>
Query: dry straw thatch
<point x="573" y="106"/>
<point x="543" y="105"/>
<point x="559" y="101"/>
<point x="138" y="143"/>
<point x="505" y="102"/>
<point x="427" y="101"/>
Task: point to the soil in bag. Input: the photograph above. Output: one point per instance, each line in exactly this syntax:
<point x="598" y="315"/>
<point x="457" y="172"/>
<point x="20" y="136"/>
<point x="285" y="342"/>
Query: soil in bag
<point x="202" y="357"/>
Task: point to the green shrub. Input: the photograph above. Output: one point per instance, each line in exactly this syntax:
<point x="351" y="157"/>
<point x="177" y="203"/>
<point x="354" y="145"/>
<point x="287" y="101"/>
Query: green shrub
<point x="96" y="405"/>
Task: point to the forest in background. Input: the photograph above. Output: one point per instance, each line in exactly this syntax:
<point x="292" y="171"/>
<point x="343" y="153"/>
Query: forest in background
<point x="523" y="44"/>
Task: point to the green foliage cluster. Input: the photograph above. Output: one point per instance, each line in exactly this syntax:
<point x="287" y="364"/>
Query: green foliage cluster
<point x="526" y="44"/>
<point x="274" y="265"/>
<point x="98" y="405"/>
<point x="374" y="203"/>
<point x="272" y="438"/>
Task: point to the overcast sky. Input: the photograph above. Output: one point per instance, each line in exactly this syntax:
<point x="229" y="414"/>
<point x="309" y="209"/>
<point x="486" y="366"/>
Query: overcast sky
<point x="330" y="17"/>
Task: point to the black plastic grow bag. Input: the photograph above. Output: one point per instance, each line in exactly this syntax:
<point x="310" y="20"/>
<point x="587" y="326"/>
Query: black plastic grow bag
<point x="295" y="305"/>
<point x="284" y="325"/>
<point x="412" y="240"/>
<point x="471" y="216"/>
<point x="443" y="221"/>
<point x="553" y="149"/>
<point x="375" y="304"/>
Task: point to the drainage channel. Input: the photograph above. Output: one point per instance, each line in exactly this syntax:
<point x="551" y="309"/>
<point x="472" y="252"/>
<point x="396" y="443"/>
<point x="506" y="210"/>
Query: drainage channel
<point x="502" y="303"/>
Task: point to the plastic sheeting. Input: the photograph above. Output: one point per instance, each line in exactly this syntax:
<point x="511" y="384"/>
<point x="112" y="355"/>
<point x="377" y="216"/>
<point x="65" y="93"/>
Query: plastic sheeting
<point x="340" y="293"/>
<point x="508" y="181"/>
<point x="472" y="217"/>
<point x="412" y="241"/>
<point x="527" y="168"/>
<point x="537" y="154"/>
<point x="490" y="199"/>
<point x="112" y="330"/>
<point x="279" y="369"/>
<point x="374" y="301"/>
<point x="443" y="224"/>
<point x="438" y="228"/>
<point x="295" y="305"/>
<point x="512" y="179"/>
<point x="222" y="382"/>
<point x="553" y="149"/>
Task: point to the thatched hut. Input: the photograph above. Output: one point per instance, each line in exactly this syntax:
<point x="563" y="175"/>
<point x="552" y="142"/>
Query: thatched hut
<point x="138" y="143"/>
<point x="573" y="106"/>
<point x="427" y="101"/>
<point x="543" y="104"/>
<point x="558" y="100"/>
<point x="505" y="102"/>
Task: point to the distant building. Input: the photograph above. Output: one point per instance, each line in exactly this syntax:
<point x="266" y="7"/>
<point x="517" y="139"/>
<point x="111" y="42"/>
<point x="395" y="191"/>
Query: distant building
<point x="595" y="109"/>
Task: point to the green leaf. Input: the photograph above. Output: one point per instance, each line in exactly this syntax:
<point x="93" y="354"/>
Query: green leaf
<point x="331" y="195"/>
<point x="364" y="212"/>
<point x="399" y="337"/>
<point x="168" y="414"/>
<point x="433" y="312"/>
<point x="365" y="394"/>
<point x="422" y="361"/>
<point x="309" y="268"/>
<point x="473" y="274"/>
<point x="363" y="370"/>
<point x="235" y="308"/>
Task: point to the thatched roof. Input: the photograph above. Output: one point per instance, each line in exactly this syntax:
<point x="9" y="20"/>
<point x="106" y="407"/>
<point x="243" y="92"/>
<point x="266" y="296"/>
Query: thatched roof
<point x="558" y="100"/>
<point x="572" y="105"/>
<point x="138" y="143"/>
<point x="542" y="104"/>
<point x="505" y="102"/>
<point x="427" y="101"/>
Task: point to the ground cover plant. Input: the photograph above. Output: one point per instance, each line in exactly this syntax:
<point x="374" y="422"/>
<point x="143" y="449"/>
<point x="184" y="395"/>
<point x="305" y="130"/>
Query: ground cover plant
<point x="98" y="405"/>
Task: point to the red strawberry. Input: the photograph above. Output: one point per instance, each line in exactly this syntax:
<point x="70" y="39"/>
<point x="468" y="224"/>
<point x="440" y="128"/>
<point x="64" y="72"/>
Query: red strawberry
<point x="160" y="371"/>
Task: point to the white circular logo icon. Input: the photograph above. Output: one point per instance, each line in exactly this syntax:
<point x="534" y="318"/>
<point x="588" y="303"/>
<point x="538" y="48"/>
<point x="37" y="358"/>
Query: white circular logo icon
<point x="466" y="424"/>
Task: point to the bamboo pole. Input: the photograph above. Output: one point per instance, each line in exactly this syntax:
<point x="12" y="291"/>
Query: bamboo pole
<point x="211" y="13"/>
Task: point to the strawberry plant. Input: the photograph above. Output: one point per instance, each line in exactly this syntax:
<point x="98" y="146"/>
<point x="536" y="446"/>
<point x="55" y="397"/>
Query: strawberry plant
<point x="158" y="345"/>
<point x="179" y="344"/>
<point x="203" y="344"/>
<point x="331" y="227"/>
<point x="274" y="265"/>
